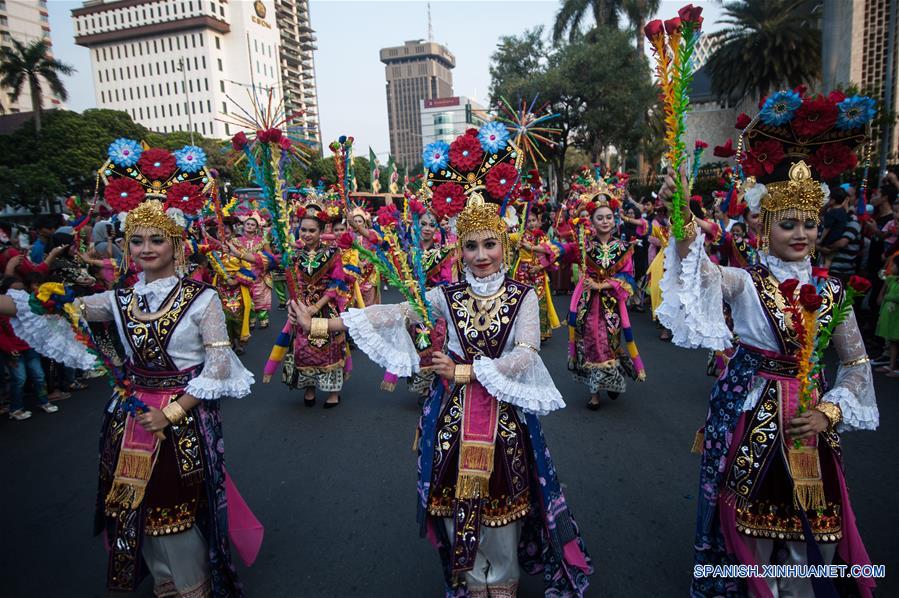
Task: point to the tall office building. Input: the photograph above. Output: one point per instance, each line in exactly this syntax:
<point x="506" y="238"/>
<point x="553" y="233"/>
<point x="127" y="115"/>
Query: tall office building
<point x="854" y="49"/>
<point x="444" y="119"/>
<point x="418" y="70"/>
<point x="173" y="64"/>
<point x="25" y="21"/>
<point x="298" y="64"/>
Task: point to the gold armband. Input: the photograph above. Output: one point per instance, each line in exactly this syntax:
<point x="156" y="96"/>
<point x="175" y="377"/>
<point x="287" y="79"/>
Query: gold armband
<point x="319" y="328"/>
<point x="689" y="228"/>
<point x="463" y="373"/>
<point x="174" y="412"/>
<point x="217" y="344"/>
<point x="832" y="411"/>
<point x="858" y="361"/>
<point x="525" y="345"/>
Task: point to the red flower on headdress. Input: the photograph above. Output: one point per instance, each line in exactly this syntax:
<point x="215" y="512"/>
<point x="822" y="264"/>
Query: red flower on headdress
<point x="763" y="157"/>
<point x="416" y="207"/>
<point x="300" y="212"/>
<point x="833" y="159"/>
<point x="801" y="89"/>
<point x="239" y="141"/>
<point x="836" y="96"/>
<point x="345" y="240"/>
<point x="614" y="204"/>
<point x="654" y="29"/>
<point x="157" y="164"/>
<point x="187" y="197"/>
<point x="672" y="26"/>
<point x="809" y="297"/>
<point x="743" y="121"/>
<point x="725" y="151"/>
<point x="788" y="287"/>
<point x="285" y="144"/>
<point x="466" y="153"/>
<point x="448" y="200"/>
<point x="123" y="194"/>
<point x="274" y="135"/>
<point x="501" y="179"/>
<point x="815" y="116"/>
<point x="387" y="216"/>
<point x="859" y="284"/>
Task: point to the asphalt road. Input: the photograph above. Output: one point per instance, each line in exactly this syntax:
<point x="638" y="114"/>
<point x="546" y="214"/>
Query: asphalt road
<point x="336" y="488"/>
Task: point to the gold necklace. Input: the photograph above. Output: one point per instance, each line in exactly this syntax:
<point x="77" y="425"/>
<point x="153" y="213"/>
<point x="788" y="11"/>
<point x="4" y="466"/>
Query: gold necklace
<point x="135" y="312"/>
<point x="485" y="309"/>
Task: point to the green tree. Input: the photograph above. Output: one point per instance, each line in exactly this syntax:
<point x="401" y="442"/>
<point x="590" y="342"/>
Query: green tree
<point x="767" y="44"/>
<point x="32" y="65"/>
<point x="572" y="12"/>
<point x="638" y="12"/>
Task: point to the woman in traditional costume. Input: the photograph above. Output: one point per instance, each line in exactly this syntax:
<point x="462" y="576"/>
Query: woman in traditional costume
<point x="598" y="316"/>
<point x="772" y="487"/>
<point x="162" y="485"/>
<point x="537" y="254"/>
<point x="486" y="483"/>
<point x="233" y="279"/>
<point x="252" y="244"/>
<point x="320" y="361"/>
<point x="368" y="279"/>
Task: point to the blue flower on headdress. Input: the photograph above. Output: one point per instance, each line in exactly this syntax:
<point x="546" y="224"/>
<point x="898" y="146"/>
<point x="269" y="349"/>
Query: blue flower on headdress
<point x="190" y="158"/>
<point x="780" y="107"/>
<point x="493" y="137"/>
<point x="124" y="152"/>
<point x="855" y="112"/>
<point x="436" y="156"/>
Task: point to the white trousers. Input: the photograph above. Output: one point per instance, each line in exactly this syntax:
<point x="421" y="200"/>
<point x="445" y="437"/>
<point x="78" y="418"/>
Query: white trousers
<point x="179" y="563"/>
<point x="496" y="563"/>
<point x="788" y="587"/>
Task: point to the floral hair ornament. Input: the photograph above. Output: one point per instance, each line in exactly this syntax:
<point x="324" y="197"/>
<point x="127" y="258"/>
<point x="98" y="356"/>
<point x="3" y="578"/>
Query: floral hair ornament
<point x="793" y="146"/>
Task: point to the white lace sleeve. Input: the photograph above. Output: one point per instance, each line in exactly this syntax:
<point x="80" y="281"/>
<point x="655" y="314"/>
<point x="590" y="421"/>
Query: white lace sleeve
<point x="99" y="307"/>
<point x="380" y="332"/>
<point x="520" y="377"/>
<point x="693" y="293"/>
<point x="51" y="336"/>
<point x="853" y="390"/>
<point x="223" y="374"/>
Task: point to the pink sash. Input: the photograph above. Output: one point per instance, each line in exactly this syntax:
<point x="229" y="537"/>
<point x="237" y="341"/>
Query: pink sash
<point x="480" y="417"/>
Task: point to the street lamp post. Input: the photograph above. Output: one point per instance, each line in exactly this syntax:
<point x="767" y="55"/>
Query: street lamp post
<point x="190" y="120"/>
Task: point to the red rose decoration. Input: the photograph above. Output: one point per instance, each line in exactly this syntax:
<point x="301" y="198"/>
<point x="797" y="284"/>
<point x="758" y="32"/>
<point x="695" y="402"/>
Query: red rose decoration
<point x="700" y="144"/>
<point x="239" y="141"/>
<point x="387" y="216"/>
<point x="274" y="135"/>
<point x="690" y="14"/>
<point x="157" y="164"/>
<point x="788" y="287"/>
<point x="300" y="213"/>
<point x="814" y="116"/>
<point x="416" y="207"/>
<point x="285" y="144"/>
<point x="501" y="180"/>
<point x="187" y="197"/>
<point x="448" y="200"/>
<point x="743" y="121"/>
<point x="725" y="151"/>
<point x="654" y="29"/>
<point x="345" y="240"/>
<point x="801" y="89"/>
<point x="672" y="26"/>
<point x="465" y="153"/>
<point x="809" y="297"/>
<point x="836" y="96"/>
<point x="832" y="160"/>
<point x="859" y="284"/>
<point x="123" y="194"/>
<point x="262" y="136"/>
<point x="763" y="157"/>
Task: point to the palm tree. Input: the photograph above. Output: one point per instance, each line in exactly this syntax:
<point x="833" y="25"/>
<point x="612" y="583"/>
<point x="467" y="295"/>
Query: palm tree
<point x="768" y="44"/>
<point x="638" y="12"/>
<point x="32" y="65"/>
<point x="569" y="17"/>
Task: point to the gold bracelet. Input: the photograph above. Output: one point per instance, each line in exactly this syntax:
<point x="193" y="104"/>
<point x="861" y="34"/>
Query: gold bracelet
<point x="217" y="344"/>
<point x="689" y="229"/>
<point x="832" y="411"/>
<point x="319" y="328"/>
<point x="525" y="345"/>
<point x="463" y="373"/>
<point x="174" y="412"/>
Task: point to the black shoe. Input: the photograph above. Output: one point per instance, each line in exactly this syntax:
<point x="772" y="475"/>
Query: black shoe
<point x="592" y="406"/>
<point x="309" y="402"/>
<point x="613" y="395"/>
<point x="328" y="405"/>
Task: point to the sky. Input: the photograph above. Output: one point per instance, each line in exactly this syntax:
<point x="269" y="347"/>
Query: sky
<point x="351" y="83"/>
